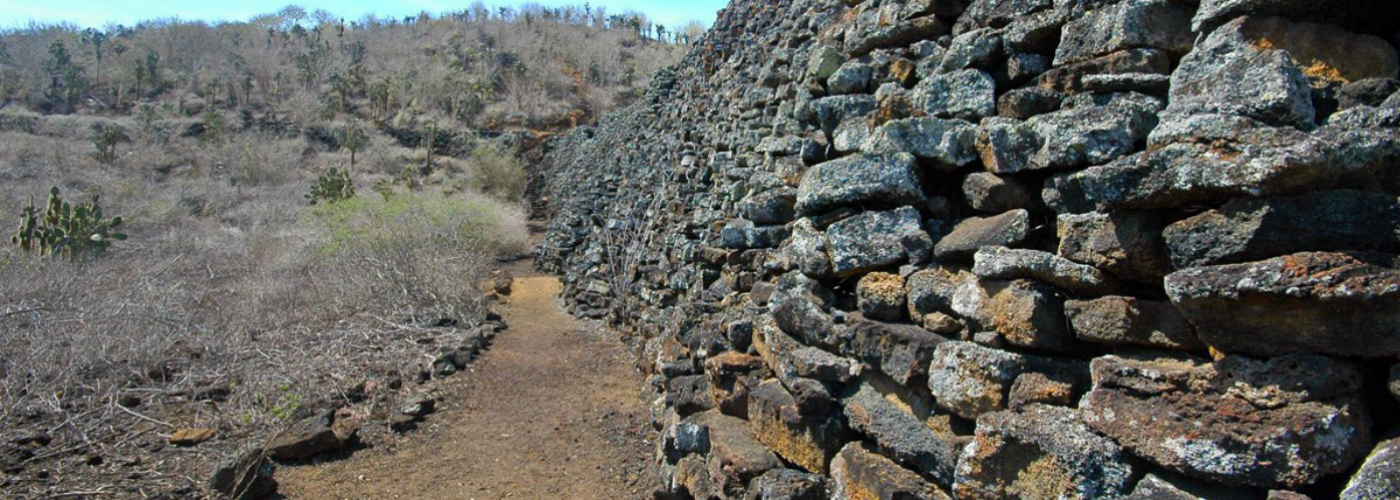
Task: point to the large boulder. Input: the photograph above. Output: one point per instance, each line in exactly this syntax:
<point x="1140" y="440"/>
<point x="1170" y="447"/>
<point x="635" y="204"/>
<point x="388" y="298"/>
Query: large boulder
<point x="1131" y="321"/>
<point x="806" y="441"/>
<point x="1041" y="451"/>
<point x="1250" y="229"/>
<point x="1347" y="304"/>
<point x="888" y="180"/>
<point x="875" y="240"/>
<point x="1379" y="476"/>
<point x="859" y="473"/>
<point x="960" y="245"/>
<point x="1158" y="24"/>
<point x="899" y="435"/>
<point x="1325" y="52"/>
<point x="1284" y="422"/>
<point x="1233" y="73"/>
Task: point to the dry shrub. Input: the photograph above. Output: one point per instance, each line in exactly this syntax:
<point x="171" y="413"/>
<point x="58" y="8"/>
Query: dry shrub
<point x="497" y="172"/>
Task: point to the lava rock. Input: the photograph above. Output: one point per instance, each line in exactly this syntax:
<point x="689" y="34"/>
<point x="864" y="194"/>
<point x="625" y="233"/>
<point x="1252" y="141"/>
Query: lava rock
<point x="881" y="296"/>
<point x="1251" y="228"/>
<point x="987" y="192"/>
<point x="899" y="435"/>
<point x="1024" y="312"/>
<point x="1041" y="451"/>
<point x="247" y="475"/>
<point x="736" y="455"/>
<point x="852" y="77"/>
<point x="1039" y="388"/>
<point x="805" y="440"/>
<point x="787" y="484"/>
<point x="968" y="94"/>
<point x="974" y="49"/>
<point x="732" y="375"/>
<point x="875" y="240"/>
<point x="1327" y="303"/>
<point x="689" y="394"/>
<point x="807" y="248"/>
<point x="901" y="352"/>
<point x="932" y="290"/>
<point x="969" y="380"/>
<point x="973" y="233"/>
<point x="740" y="234"/>
<point x="950" y="144"/>
<point x="1126" y="244"/>
<point x="859" y="473"/>
<point x="799" y="308"/>
<point x="1131" y="321"/>
<point x="310" y="437"/>
<point x="1021" y="104"/>
<point x="776" y="206"/>
<point x="1171" y="487"/>
<point x="1133" y="24"/>
<point x="874" y="179"/>
<point x="1001" y="263"/>
<point x="1379" y="476"/>
<point x="1070" y="79"/>
<point x="1233" y="73"/>
<point x="1304" y="416"/>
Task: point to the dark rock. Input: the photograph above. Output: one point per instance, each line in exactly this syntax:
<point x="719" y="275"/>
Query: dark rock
<point x="740" y="234"/>
<point x="776" y="206"/>
<point x="417" y="405"/>
<point x="881" y="296"/>
<point x="1008" y="229"/>
<point x="1006" y="145"/>
<point x="787" y="484"/>
<point x="1070" y="79"/>
<point x="987" y="192"/>
<point x="1126" y="244"/>
<point x="1021" y="104"/>
<point x="1001" y="263"/>
<point x="974" y="49"/>
<point x="736" y="456"/>
<point x="1379" y="477"/>
<point x="310" y="437"/>
<point x="816" y="364"/>
<point x="1284" y="422"/>
<point x="1033" y="388"/>
<point x="899" y="435"/>
<point x="1041" y="451"/>
<point x="684" y="439"/>
<point x="967" y="95"/>
<point x="799" y="308"/>
<point x="1367" y="92"/>
<point x="1021" y="68"/>
<point x="1131" y="321"/>
<point x="247" y="475"/>
<point x="876" y="240"/>
<point x="805" y="440"/>
<point x="1024" y="312"/>
<point x="878" y="25"/>
<point x="1395" y="382"/>
<point x="1325" y="53"/>
<point x="970" y="380"/>
<point x="932" y="290"/>
<point x="807" y="248"/>
<point x="732" y="375"/>
<point x="901" y="352"/>
<point x="1329" y="303"/>
<point x="1134" y="24"/>
<point x="1250" y="228"/>
<point x="950" y="144"/>
<point x="1128" y="82"/>
<point x="1035" y="33"/>
<point x="888" y="180"/>
<point x="859" y="474"/>
<point x="832" y="111"/>
<point x="1166" y="486"/>
<point x="689" y="394"/>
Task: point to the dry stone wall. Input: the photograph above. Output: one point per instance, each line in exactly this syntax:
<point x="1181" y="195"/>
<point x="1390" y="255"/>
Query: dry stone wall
<point x="1006" y="249"/>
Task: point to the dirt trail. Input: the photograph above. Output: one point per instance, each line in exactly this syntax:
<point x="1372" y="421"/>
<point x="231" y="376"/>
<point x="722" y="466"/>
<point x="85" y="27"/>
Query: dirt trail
<point x="551" y="411"/>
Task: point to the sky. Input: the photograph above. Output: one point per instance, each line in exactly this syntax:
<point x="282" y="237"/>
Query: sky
<point x="99" y="13"/>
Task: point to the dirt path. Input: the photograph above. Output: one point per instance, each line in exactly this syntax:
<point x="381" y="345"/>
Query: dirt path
<point x="550" y="412"/>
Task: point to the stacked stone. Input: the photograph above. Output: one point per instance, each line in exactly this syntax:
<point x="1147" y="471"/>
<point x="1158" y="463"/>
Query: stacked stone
<point x="1007" y="249"/>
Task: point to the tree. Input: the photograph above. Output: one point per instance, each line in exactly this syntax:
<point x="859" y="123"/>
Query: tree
<point x="67" y="82"/>
<point x="353" y="139"/>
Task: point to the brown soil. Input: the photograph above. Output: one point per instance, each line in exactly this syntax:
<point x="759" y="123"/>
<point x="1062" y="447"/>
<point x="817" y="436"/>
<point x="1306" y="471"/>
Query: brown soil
<point x="552" y="410"/>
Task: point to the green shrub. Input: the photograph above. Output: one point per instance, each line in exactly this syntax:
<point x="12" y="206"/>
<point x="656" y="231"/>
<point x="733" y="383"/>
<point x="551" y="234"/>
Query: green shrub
<point x="106" y="140"/>
<point x="333" y="186"/>
<point x="497" y="172"/>
<point x="66" y="229"/>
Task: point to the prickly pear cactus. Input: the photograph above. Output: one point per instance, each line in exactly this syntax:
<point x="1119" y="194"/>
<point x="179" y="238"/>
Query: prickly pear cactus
<point x="66" y="229"/>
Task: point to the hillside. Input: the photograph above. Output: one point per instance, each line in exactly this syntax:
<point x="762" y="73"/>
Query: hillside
<point x="1006" y="249"/>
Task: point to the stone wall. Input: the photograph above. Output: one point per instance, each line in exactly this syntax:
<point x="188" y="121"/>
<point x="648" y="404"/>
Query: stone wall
<point x="1020" y="249"/>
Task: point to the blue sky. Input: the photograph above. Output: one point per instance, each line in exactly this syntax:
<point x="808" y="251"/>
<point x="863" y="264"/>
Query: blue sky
<point x="98" y="13"/>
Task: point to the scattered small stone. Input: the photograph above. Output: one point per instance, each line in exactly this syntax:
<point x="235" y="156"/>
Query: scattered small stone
<point x="247" y="475"/>
<point x="191" y="437"/>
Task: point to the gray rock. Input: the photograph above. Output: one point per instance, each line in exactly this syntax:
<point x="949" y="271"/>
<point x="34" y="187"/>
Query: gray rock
<point x="1007" y="144"/>
<point x="832" y="111"/>
<point x="1035" y="33"/>
<point x="853" y="77"/>
<point x="1133" y="24"/>
<point x="1131" y="321"/>
<point x="969" y="380"/>
<point x="993" y="13"/>
<point x="1251" y="228"/>
<point x="875" y="240"/>
<point x="973" y="233"/>
<point x="900" y="435"/>
<point x="1270" y="161"/>
<point x="1172" y="487"/>
<point x="1331" y="303"/>
<point x="1127" y="244"/>
<point x="799" y="308"/>
<point x="247" y="475"/>
<point x="310" y="437"/>
<point x="816" y="364"/>
<point x="1367" y="92"/>
<point x="1230" y="74"/>
<point x="807" y="249"/>
<point x="1128" y="82"/>
<point x="824" y="61"/>
<point x="875" y="179"/>
<point x="850" y="134"/>
<point x="1304" y="416"/>
<point x="901" y="352"/>
<point x="988" y="192"/>
<point x="684" y="439"/>
<point x="807" y="441"/>
<point x="1021" y="68"/>
<point x="932" y="290"/>
<point x="1041" y="451"/>
<point x="741" y="234"/>
<point x="1379" y="477"/>
<point x="949" y="143"/>
<point x="858" y="473"/>
<point x="967" y="94"/>
<point x="736" y="455"/>
<point x="775" y="206"/>
<point x="1039" y="388"/>
<point x="1070" y="79"/>
<point x="787" y="484"/>
<point x="1001" y="263"/>
<point x="1065" y="139"/>
<point x="885" y="24"/>
<point x="974" y="49"/>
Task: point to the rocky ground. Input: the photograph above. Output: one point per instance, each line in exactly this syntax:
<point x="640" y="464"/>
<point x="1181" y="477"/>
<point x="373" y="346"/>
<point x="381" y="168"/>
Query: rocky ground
<point x="1007" y="249"/>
